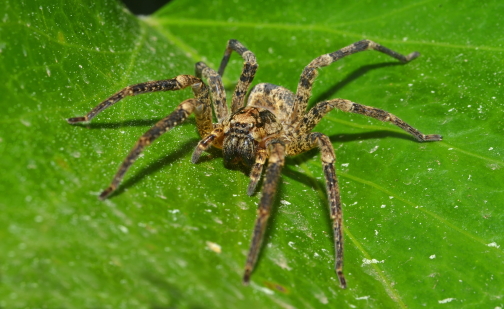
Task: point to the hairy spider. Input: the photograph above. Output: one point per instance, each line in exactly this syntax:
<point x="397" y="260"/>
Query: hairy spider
<point x="273" y="124"/>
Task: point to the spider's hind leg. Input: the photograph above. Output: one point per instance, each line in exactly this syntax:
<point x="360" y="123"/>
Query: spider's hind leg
<point x="199" y="105"/>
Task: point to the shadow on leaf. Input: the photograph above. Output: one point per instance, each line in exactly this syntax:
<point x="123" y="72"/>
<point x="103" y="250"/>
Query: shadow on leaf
<point x="174" y="156"/>
<point x="126" y="123"/>
<point x="326" y="95"/>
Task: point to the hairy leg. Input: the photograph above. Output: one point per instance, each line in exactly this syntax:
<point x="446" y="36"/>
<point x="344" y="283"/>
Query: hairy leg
<point x="178" y="116"/>
<point x="311" y="118"/>
<point x="305" y="143"/>
<point x="275" y="164"/>
<point x="309" y="74"/>
<point x="247" y="75"/>
<point x="216" y="89"/>
<point x="255" y="173"/>
<point x="214" y="138"/>
<point x="203" y="114"/>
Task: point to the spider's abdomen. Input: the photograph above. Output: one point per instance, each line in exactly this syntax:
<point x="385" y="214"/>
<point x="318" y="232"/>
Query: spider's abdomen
<point x="246" y="132"/>
<point x="277" y="99"/>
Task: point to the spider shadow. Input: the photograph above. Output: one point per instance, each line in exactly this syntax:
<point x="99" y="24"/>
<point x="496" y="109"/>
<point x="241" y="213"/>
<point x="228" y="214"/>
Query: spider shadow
<point x="176" y="295"/>
<point x="271" y="226"/>
<point x="350" y="78"/>
<point x="348" y="137"/>
<point x="182" y="151"/>
<point x="319" y="185"/>
<point x="119" y="124"/>
<point x="337" y="138"/>
<point x="161" y="162"/>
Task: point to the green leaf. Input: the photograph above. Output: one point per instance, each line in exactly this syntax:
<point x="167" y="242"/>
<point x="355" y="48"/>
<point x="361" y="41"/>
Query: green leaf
<point x="423" y="221"/>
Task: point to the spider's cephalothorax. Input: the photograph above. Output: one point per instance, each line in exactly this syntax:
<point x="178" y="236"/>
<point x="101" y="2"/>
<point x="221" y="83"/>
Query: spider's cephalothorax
<point x="247" y="132"/>
<point x="275" y="123"/>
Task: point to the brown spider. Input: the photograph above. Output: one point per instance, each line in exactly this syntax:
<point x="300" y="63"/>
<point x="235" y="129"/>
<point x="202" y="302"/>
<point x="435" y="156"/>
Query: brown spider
<point x="274" y="124"/>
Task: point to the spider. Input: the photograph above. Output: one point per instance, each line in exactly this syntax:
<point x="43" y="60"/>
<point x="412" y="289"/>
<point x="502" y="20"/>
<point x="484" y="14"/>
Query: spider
<point x="274" y="123"/>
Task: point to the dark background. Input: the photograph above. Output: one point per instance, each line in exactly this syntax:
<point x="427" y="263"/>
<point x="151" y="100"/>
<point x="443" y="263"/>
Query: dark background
<point x="145" y="7"/>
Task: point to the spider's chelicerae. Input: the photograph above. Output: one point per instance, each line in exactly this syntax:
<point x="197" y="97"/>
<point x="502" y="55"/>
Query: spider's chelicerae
<point x="274" y="123"/>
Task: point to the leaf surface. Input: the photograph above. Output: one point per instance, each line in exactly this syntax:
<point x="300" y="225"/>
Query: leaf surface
<point x="423" y="221"/>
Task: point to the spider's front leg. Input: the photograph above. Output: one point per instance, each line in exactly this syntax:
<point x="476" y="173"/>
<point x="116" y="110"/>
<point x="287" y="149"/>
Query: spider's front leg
<point x="248" y="72"/>
<point x="216" y="89"/>
<point x="178" y="116"/>
<point x="310" y="141"/>
<point x="200" y="106"/>
<point x="172" y="84"/>
<point x="275" y="163"/>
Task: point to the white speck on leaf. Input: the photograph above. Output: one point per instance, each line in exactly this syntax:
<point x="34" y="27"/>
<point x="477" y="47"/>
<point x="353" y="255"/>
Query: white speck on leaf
<point x="214" y="247"/>
<point x="322" y="298"/>
<point x="432" y="257"/>
<point x="493" y="244"/>
<point x="363" y="297"/>
<point x="446" y="300"/>
<point x="260" y="288"/>
<point x="372" y="261"/>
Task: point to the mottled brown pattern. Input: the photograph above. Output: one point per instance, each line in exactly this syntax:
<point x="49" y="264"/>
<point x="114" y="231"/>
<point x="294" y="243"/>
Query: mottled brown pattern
<point x="249" y="69"/>
<point x="273" y="124"/>
<point x="309" y="74"/>
<point x="217" y="89"/>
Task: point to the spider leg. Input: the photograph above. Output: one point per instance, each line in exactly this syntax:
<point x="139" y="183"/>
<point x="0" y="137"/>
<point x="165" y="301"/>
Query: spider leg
<point x="247" y="75"/>
<point x="309" y="74"/>
<point x="211" y="139"/>
<point x="305" y="143"/>
<point x="216" y="89"/>
<point x="311" y="118"/>
<point x="203" y="113"/>
<point x="255" y="173"/>
<point x="275" y="164"/>
<point x="179" y="115"/>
